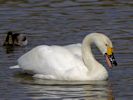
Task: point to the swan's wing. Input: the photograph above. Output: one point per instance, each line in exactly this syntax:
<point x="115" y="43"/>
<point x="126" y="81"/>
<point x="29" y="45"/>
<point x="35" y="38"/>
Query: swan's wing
<point x="75" y="49"/>
<point x="37" y="60"/>
<point x="51" y="60"/>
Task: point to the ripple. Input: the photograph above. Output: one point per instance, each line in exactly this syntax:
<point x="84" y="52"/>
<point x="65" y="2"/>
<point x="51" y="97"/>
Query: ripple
<point x="63" y="22"/>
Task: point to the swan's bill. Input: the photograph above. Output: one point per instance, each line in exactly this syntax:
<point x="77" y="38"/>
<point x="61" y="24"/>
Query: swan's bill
<point x="109" y="50"/>
<point x="110" y="59"/>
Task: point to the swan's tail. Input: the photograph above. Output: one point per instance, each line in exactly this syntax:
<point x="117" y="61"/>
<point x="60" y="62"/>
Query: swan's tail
<point x="14" y="67"/>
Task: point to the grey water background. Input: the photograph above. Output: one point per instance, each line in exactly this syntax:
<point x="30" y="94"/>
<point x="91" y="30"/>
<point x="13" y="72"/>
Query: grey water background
<point x="64" y="22"/>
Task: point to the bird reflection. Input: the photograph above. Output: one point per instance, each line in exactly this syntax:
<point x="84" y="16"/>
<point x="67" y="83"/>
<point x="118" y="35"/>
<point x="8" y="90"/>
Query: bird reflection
<point x="9" y="49"/>
<point x="46" y="89"/>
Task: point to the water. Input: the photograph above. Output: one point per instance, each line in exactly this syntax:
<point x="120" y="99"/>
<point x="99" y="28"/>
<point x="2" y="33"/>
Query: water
<point x="63" y="22"/>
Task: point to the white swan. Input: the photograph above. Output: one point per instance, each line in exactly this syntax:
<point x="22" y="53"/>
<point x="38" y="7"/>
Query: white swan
<point x="71" y="62"/>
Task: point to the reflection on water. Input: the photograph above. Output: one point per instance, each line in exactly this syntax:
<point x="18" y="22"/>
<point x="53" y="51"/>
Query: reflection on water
<point x="49" y="89"/>
<point x="63" y="22"/>
<point x="9" y="49"/>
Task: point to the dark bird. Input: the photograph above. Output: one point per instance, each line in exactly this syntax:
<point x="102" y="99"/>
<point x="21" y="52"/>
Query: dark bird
<point x="17" y="39"/>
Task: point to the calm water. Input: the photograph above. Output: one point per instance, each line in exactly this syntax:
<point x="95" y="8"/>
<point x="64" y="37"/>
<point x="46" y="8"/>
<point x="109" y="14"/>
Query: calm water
<point x="63" y="22"/>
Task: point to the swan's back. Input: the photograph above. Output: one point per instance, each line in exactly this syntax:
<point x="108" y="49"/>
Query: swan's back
<point x="75" y="49"/>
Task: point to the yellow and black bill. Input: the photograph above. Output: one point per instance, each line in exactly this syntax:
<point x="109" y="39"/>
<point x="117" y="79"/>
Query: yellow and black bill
<point x="110" y="59"/>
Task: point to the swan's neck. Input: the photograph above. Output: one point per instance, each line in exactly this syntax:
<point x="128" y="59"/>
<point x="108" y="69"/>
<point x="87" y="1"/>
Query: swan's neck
<point x="87" y="55"/>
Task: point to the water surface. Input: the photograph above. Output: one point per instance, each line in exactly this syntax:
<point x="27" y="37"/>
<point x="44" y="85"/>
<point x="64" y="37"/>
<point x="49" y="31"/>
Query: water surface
<point x="64" y="22"/>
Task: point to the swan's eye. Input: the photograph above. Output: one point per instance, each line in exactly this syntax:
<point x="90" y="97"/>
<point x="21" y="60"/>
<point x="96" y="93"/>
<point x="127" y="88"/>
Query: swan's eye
<point x="106" y="44"/>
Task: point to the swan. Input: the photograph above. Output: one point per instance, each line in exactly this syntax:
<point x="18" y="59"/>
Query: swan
<point x="70" y="62"/>
<point x="17" y="39"/>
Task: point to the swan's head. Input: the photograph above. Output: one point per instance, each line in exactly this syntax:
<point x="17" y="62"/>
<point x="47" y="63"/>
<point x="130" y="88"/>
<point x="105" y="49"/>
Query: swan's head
<point x="106" y="47"/>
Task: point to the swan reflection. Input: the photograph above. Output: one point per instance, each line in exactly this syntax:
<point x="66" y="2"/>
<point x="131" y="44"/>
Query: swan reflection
<point x="72" y="90"/>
